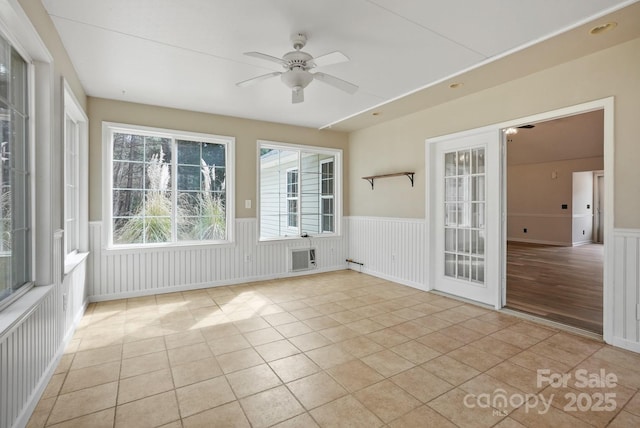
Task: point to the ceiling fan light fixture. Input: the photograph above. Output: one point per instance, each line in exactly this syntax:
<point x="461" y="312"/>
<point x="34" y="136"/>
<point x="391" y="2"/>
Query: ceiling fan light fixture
<point x="296" y="78"/>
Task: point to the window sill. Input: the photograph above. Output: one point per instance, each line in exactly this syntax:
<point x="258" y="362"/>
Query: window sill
<point x="21" y="308"/>
<point x="73" y="261"/>
<point x="169" y="247"/>
<point x="298" y="238"/>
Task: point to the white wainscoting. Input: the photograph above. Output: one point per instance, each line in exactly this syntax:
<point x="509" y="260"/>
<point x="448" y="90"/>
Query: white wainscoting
<point x="390" y="248"/>
<point x="626" y="288"/>
<point x="31" y="347"/>
<point x="124" y="273"/>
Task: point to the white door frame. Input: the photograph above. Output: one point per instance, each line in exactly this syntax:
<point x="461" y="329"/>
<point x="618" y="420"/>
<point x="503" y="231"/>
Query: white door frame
<point x="605" y="104"/>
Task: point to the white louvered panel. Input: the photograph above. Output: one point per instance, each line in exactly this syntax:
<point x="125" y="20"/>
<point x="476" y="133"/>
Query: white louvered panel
<point x="122" y="273"/>
<point x="375" y="240"/>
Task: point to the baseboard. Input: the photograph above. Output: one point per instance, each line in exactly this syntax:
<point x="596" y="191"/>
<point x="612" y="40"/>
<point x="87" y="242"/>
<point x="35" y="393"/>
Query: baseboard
<point x="201" y="285"/>
<point x="626" y="344"/>
<point x="579" y="243"/>
<point x="392" y="278"/>
<point x="30" y="406"/>
<point x="540" y="241"/>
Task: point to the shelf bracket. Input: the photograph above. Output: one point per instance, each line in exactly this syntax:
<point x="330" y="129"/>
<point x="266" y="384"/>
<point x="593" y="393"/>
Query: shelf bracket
<point x="370" y="180"/>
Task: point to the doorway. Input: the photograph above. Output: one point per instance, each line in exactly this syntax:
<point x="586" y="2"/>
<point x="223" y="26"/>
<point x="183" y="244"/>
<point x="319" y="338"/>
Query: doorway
<point x="554" y="182"/>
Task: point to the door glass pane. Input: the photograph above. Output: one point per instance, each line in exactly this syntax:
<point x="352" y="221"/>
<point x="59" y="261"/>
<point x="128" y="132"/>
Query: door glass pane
<point x="464" y="220"/>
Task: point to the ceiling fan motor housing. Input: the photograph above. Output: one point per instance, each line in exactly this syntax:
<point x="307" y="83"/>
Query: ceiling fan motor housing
<point x="296" y="78"/>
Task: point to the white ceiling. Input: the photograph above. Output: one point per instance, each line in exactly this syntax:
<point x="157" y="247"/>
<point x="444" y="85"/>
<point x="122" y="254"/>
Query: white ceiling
<point x="188" y="54"/>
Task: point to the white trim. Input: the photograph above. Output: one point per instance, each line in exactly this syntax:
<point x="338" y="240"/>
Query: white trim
<point x="377" y="274"/>
<point x="109" y="128"/>
<point x="625" y="344"/>
<point x="627" y="232"/>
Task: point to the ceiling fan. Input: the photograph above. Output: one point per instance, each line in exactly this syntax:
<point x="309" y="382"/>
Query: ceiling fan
<point x="297" y="64"/>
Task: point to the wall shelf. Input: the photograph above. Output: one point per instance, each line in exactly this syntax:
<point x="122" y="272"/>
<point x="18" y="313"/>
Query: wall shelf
<point x="371" y="178"/>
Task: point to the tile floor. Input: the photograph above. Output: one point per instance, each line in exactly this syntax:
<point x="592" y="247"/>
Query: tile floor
<point x="335" y="349"/>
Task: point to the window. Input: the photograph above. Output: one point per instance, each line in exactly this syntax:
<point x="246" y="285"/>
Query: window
<point x="292" y="198"/>
<point x="168" y="186"/>
<point x="15" y="186"/>
<point x="71" y="184"/>
<point x="298" y="190"/>
<point x="327" y="195"/>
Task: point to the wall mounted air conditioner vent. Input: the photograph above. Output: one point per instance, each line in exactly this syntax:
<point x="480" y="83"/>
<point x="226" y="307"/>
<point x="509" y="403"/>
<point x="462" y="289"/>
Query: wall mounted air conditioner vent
<point x="302" y="259"/>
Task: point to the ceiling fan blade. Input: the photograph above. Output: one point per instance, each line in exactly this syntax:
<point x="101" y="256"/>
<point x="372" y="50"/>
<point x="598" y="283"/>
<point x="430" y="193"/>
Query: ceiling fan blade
<point x="297" y="96"/>
<point x="335" y="82"/>
<point x="330" y="59"/>
<point x="257" y="79"/>
<point x="266" y="57"/>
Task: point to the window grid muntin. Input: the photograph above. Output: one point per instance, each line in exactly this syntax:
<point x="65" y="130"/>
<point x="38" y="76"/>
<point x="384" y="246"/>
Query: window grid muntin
<point x="465" y="210"/>
<point x="172" y="140"/>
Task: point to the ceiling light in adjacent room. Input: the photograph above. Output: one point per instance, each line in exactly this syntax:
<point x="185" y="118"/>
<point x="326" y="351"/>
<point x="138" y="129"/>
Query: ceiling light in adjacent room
<point x="510" y="131"/>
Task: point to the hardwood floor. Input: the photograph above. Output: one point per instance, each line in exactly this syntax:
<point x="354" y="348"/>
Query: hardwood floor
<point x="562" y="284"/>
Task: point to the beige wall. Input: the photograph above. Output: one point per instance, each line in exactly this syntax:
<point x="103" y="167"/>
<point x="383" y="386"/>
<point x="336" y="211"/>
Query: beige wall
<point x="535" y="199"/>
<point x="245" y="131"/>
<point x="399" y="144"/>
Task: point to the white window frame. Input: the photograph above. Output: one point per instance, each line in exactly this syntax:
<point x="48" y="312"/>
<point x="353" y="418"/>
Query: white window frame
<point x="324" y="196"/>
<point x="76" y="150"/>
<point x="337" y="188"/>
<point x="109" y="128"/>
<point x="296" y="198"/>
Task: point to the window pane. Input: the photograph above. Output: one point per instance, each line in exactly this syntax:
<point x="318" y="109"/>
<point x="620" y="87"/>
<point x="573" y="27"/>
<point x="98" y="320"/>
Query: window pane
<point x="189" y="177"/>
<point x="214" y="154"/>
<point x="18" y="83"/>
<point x="189" y="153"/>
<point x="128" y="175"/>
<point x="128" y="147"/>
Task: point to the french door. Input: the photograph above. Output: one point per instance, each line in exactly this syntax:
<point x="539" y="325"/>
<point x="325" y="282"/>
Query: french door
<point x="465" y="233"/>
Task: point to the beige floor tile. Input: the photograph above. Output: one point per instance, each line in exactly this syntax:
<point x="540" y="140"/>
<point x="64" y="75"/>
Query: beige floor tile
<point x="219" y="331"/>
<point x="421" y="384"/>
<point x="475" y="358"/>
<point x="276" y="350"/>
<point x="300" y="421"/>
<point x="388" y="337"/>
<point x="316" y="390"/>
<point x="415" y="352"/>
<point x="65" y="363"/>
<point x="338" y="334"/>
<point x="530" y="329"/>
<point x="618" y="357"/>
<point x="226" y="416"/>
<point x="101" y="419"/>
<point x="204" y="395"/>
<point x="137" y="332"/>
<point x="321" y="322"/>
<point x="41" y="413"/>
<point x="485" y="384"/>
<point x="293" y="329"/>
<point x="280" y="318"/>
<point x="189" y="353"/>
<point x="294" y="367"/>
<point x="450" y="370"/>
<point x="309" y="341"/>
<point x="461" y="334"/>
<point x="336" y="413"/>
<point x="412" y="329"/>
<point x="142" y="347"/>
<point x="388" y="319"/>
<point x="440" y="342"/>
<point x="144" y="364"/>
<point x="452" y="406"/>
<point x="481" y="327"/>
<point x="365" y="326"/>
<point x="354" y="375"/>
<point x="533" y="361"/>
<point x="95" y="357"/>
<point x="178" y="340"/>
<point x="452" y="316"/>
<point x="54" y="385"/>
<point x="101" y="341"/>
<point x="306" y="313"/>
<point x="83" y="402"/>
<point x="633" y="406"/>
<point x="387" y="363"/>
<point x="386" y="400"/>
<point x="149" y="412"/>
<point x="496" y="347"/>
<point x="329" y="356"/>
<point x="251" y="324"/>
<point x="554" y="352"/>
<point x="345" y="317"/>
<point x="252" y="380"/>
<point x="361" y="346"/>
<point x="422" y="417"/>
<point x="144" y="385"/>
<point x="262" y="336"/>
<point x="270" y="407"/>
<point x="224" y="345"/>
<point x="239" y="360"/>
<point x="195" y="371"/>
<point x="91" y="376"/>
<point x="509" y="423"/>
<point x="524" y="379"/>
<point x="520" y="340"/>
<point x="625" y="420"/>
<point x="541" y="419"/>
